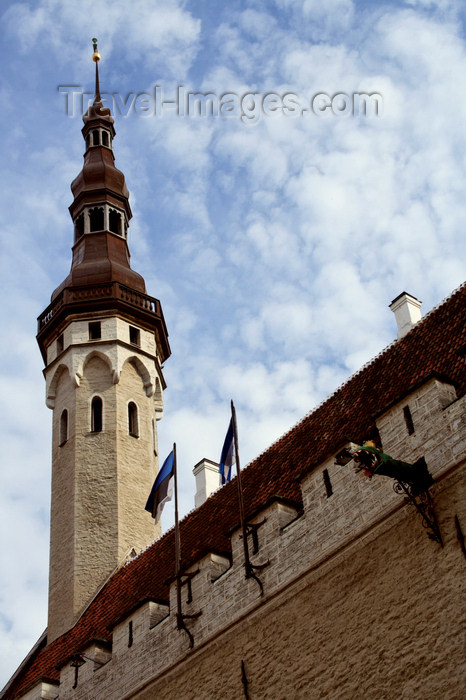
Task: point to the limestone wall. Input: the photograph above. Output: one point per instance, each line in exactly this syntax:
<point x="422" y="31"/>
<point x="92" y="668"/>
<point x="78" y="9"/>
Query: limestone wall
<point x="100" y="479"/>
<point x="358" y="601"/>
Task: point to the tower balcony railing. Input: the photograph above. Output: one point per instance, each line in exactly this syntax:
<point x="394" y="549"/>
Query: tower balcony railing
<point x="96" y="292"/>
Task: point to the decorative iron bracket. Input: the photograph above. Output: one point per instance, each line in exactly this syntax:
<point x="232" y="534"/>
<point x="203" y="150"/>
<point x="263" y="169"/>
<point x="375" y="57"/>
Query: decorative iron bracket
<point x="412" y="480"/>
<point x="186" y="581"/>
<point x="180" y="623"/>
<point x="422" y="501"/>
<point x="251" y="529"/>
<point x="250" y="568"/>
<point x="244" y="680"/>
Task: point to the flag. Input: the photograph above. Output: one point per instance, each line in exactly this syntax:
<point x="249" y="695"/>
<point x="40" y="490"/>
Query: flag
<point x="227" y="458"/>
<point x="162" y="490"/>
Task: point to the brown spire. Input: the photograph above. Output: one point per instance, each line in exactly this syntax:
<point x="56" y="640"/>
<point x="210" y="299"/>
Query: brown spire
<point x="100" y="210"/>
<point x="96" y="58"/>
<point x="101" y="279"/>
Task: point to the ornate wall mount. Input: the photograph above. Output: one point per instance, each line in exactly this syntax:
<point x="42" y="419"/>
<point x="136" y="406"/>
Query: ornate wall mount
<point x="411" y="480"/>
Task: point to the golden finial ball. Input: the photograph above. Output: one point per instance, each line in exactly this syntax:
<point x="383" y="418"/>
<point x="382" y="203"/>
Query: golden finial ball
<point x="96" y="55"/>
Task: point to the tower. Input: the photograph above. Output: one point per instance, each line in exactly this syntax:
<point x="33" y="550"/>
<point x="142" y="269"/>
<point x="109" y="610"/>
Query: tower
<point x="103" y="341"/>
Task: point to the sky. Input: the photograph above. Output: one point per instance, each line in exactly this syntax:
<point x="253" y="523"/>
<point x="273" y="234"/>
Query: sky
<point x="275" y="238"/>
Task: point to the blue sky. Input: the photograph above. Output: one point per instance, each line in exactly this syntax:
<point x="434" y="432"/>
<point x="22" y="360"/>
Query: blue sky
<point x="275" y="247"/>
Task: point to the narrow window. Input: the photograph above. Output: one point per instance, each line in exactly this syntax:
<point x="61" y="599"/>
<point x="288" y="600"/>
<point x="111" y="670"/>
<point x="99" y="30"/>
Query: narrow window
<point x="96" y="414"/>
<point x="252" y="530"/>
<point x="105" y="138"/>
<point x="408" y="420"/>
<point x="60" y="344"/>
<point x="153" y="437"/>
<point x="133" y="429"/>
<point x="114" y="222"/>
<point x="88" y="141"/>
<point x="95" y="330"/>
<point x="79" y="227"/>
<point x="63" y="427"/>
<point x="134" y="336"/>
<point x="95" y="137"/>
<point x="96" y="217"/>
<point x="130" y="633"/>
<point x="328" y="483"/>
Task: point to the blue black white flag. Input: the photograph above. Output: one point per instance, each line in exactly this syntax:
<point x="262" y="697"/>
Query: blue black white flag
<point x="227" y="458"/>
<point x="162" y="490"/>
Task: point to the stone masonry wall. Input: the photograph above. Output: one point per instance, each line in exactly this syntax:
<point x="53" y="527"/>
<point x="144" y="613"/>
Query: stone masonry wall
<point x="96" y="503"/>
<point x="102" y="477"/>
<point x="358" y="601"/>
<point x="138" y="463"/>
<point x="62" y="519"/>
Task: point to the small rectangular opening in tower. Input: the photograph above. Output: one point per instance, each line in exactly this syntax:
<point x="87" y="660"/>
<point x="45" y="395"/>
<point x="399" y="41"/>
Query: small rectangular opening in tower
<point x="95" y="331"/>
<point x="408" y="420"/>
<point x="60" y="344"/>
<point x="134" y="336"/>
<point x="328" y="483"/>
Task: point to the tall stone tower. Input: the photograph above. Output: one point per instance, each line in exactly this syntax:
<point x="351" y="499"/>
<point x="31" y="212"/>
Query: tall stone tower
<point x="103" y="340"/>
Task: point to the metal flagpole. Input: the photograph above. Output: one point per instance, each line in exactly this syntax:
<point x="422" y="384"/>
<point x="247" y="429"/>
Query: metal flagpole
<point x="179" y="613"/>
<point x="247" y="564"/>
<point x="180" y="618"/>
<point x="249" y="568"/>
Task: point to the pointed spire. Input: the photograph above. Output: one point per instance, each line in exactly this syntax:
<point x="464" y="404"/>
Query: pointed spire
<point x="100" y="209"/>
<point x="97" y="109"/>
<point x="96" y="59"/>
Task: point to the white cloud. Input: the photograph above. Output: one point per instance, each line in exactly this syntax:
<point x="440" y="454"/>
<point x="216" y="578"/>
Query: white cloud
<point x="322" y="19"/>
<point x="275" y="249"/>
<point x="161" y="33"/>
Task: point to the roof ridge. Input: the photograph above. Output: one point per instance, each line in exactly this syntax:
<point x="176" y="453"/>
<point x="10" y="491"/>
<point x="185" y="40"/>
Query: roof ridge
<point x="367" y="364"/>
<point x="313" y="410"/>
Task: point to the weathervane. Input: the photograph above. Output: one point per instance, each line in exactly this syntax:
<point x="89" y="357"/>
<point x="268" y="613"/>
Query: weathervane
<point x="96" y="59"/>
<point x="96" y="56"/>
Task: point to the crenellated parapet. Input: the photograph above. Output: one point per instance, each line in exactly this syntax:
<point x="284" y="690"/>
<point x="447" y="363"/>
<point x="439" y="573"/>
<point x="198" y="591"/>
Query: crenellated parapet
<point x="343" y="514"/>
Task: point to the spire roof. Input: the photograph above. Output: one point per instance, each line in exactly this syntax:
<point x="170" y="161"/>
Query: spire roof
<point x="100" y="252"/>
<point x="97" y="110"/>
<point x="100" y="269"/>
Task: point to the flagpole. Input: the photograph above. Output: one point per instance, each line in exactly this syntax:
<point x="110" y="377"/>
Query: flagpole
<point x="179" y="613"/>
<point x="180" y="618"/>
<point x="247" y="564"/>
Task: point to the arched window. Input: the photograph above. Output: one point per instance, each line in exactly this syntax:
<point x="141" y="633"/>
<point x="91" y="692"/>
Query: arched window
<point x="79" y="227"/>
<point x="95" y="137"/>
<point x="96" y="414"/>
<point x="114" y="221"/>
<point x="63" y="427"/>
<point x="133" y="428"/>
<point x="96" y="217"/>
<point x="105" y="138"/>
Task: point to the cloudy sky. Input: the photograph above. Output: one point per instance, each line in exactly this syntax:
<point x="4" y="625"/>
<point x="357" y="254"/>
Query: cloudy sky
<point x="274" y="241"/>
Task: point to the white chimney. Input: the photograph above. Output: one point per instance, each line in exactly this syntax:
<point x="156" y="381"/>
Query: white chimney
<point x="207" y="480"/>
<point x="407" y="310"/>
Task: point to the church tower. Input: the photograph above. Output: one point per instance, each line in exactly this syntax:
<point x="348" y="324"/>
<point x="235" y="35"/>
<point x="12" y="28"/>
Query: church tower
<point x="103" y="340"/>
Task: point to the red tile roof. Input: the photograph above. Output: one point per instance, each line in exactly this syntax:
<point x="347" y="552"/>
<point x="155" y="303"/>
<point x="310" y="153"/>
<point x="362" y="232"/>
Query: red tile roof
<point x="436" y="345"/>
